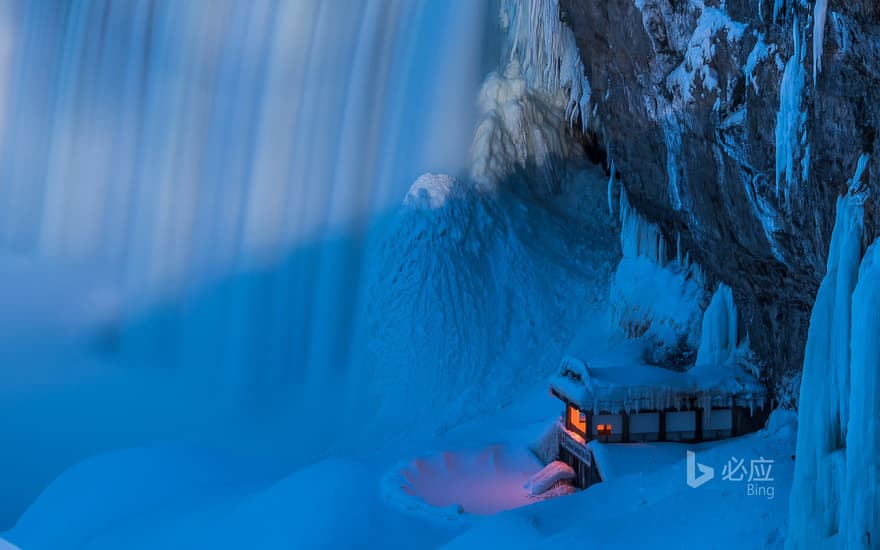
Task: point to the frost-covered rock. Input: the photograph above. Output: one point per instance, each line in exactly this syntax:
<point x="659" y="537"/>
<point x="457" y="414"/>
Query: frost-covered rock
<point x="706" y="168"/>
<point x="432" y="191"/>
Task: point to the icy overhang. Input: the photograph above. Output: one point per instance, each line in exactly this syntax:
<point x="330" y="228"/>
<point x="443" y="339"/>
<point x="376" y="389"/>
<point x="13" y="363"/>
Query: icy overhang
<point x="643" y="387"/>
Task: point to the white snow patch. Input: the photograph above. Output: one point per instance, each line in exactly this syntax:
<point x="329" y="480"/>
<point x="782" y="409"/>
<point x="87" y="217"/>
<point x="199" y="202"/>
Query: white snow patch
<point x="645" y="500"/>
<point x="552" y="474"/>
<point x="697" y="65"/>
<point x="760" y="53"/>
<point x="628" y="388"/>
<point x="432" y="191"/>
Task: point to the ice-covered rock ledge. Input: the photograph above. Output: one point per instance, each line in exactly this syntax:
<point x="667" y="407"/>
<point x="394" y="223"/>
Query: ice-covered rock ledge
<point x="734" y="125"/>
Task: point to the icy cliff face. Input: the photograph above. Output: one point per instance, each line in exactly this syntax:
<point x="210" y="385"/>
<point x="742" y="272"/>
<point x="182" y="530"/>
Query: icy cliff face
<point x="734" y="125"/>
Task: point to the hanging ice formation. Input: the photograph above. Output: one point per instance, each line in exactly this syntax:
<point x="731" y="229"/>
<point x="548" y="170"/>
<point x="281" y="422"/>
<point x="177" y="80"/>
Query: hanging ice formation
<point x="526" y="105"/>
<point x="654" y="295"/>
<point x="833" y="496"/>
<point x="718" y="337"/>
<point x="547" y="52"/>
<point x="820" y="14"/>
<point x="613" y="172"/>
<point x="791" y="118"/>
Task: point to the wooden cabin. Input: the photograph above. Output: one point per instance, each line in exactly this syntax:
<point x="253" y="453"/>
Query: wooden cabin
<point x="638" y="404"/>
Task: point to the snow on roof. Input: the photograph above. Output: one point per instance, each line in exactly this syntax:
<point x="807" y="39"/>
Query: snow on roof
<point x="644" y="387"/>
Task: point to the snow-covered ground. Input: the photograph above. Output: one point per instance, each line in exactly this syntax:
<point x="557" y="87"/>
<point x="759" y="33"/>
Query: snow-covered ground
<point x="161" y="497"/>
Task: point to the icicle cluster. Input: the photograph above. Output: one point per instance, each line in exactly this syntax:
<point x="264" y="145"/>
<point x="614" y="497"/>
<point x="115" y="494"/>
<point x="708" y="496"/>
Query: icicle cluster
<point x="526" y="106"/>
<point x="638" y="237"/>
<point x="836" y="473"/>
<point x="548" y="53"/>
<point x="696" y="68"/>
<point x="653" y="296"/>
<point x="777" y="7"/>
<point x="791" y="119"/>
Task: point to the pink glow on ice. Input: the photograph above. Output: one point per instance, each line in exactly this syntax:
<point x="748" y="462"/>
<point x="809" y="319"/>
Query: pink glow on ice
<point x="482" y="481"/>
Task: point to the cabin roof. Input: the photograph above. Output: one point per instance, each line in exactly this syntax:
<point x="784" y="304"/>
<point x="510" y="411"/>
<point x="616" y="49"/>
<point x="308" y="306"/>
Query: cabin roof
<point x="644" y="387"/>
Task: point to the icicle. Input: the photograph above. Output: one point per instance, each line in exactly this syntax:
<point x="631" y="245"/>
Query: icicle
<point x="820" y="13"/>
<point x="548" y="53"/>
<point x="857" y="187"/>
<point x="611" y="189"/>
<point x="777" y="7"/>
<point x="790" y="119"/>
<point x="638" y="237"/>
<point x="678" y="257"/>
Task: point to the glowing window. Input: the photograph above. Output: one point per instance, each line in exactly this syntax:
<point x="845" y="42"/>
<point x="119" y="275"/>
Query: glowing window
<point x="603" y="429"/>
<point x="577" y="420"/>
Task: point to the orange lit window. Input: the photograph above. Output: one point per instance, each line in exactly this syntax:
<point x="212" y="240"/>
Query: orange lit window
<point x="577" y="420"/>
<point x="603" y="429"/>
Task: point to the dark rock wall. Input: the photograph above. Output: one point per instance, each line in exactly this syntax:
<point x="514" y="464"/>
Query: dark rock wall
<point x="704" y="168"/>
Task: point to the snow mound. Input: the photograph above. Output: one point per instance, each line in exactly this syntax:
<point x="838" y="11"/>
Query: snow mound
<point x="471" y="300"/>
<point x="552" y="474"/>
<point x="432" y="191"/>
<point x="170" y="497"/>
<point x="476" y="481"/>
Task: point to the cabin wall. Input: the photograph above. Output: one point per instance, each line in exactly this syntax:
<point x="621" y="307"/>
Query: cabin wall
<point x="718" y="424"/>
<point x="644" y="426"/>
<point x="681" y="425"/>
<point x="617" y="426"/>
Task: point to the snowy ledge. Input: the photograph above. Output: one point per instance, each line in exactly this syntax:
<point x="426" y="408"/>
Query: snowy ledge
<point x="642" y="387"/>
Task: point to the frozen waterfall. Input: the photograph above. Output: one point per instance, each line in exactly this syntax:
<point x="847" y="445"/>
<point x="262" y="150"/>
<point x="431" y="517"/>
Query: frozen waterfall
<point x="191" y="190"/>
<point x="224" y="164"/>
<point x="833" y="500"/>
